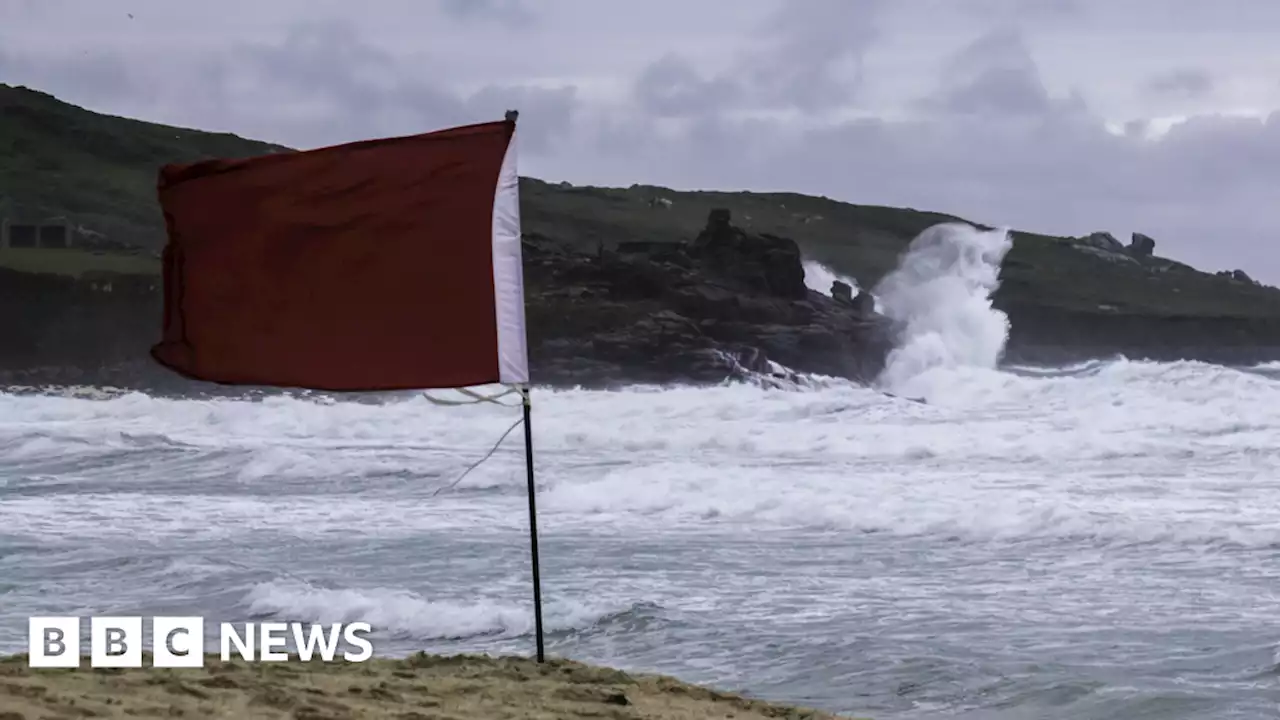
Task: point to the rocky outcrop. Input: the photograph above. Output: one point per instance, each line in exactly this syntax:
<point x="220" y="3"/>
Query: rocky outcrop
<point x="1102" y="241"/>
<point x="1142" y="246"/>
<point x="1102" y="245"/>
<point x="728" y="303"/>
<point x="759" y="263"/>
<point x="842" y="292"/>
<point x="1237" y="276"/>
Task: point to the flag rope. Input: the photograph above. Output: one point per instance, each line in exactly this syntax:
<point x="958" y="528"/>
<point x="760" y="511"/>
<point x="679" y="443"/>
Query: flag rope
<point x="476" y="398"/>
<point x="477" y="463"/>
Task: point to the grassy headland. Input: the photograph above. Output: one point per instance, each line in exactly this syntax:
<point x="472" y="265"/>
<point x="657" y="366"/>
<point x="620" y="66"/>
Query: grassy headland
<point x="1067" y="298"/>
<point x="99" y="171"/>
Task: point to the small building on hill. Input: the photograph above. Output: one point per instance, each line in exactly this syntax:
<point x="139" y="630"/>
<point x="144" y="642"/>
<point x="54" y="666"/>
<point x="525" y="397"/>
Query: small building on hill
<point x="52" y="234"/>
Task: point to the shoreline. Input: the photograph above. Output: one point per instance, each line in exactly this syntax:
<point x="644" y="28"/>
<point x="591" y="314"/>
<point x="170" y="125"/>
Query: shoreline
<point x="100" y="389"/>
<point x="417" y="687"/>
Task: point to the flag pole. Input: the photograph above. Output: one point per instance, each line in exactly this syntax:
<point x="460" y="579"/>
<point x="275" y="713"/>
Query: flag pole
<point x="533" y="520"/>
<point x="511" y="116"/>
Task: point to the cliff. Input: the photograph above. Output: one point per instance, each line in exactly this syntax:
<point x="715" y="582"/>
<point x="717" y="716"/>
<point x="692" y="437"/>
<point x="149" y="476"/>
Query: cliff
<point x="625" y="284"/>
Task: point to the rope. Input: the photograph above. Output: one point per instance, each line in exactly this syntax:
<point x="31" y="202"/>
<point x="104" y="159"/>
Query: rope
<point x="477" y="463"/>
<point x="476" y="398"/>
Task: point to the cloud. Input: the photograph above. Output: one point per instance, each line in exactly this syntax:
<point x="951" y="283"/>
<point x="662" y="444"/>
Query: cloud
<point x="321" y="84"/>
<point x="1031" y="10"/>
<point x="1187" y="83"/>
<point x="806" y="56"/>
<point x="812" y="52"/>
<point x="990" y="143"/>
<point x="672" y="87"/>
<point x="993" y="110"/>
<point x="994" y="74"/>
<point x="97" y="79"/>
<point x="356" y="90"/>
<point x="513" y="13"/>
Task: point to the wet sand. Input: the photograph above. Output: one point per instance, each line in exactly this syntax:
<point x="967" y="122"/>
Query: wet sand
<point x="420" y="687"/>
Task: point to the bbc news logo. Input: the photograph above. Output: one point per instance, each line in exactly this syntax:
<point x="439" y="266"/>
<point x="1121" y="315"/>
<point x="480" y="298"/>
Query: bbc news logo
<point x="178" y="642"/>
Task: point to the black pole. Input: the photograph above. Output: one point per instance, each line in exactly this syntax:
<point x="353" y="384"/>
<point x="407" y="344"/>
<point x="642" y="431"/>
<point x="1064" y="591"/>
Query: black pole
<point x="533" y="524"/>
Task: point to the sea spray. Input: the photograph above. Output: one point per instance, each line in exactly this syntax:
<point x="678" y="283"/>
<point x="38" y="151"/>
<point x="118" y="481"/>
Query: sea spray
<point x="819" y="277"/>
<point x="940" y="297"/>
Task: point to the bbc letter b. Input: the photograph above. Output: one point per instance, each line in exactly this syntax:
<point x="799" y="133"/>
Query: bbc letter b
<point x="53" y="642"/>
<point x="115" y="642"/>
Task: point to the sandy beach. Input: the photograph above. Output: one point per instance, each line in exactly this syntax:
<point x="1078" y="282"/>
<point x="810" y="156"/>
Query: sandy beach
<point x="420" y="687"/>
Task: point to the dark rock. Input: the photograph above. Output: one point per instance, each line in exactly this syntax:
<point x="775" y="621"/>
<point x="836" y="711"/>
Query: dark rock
<point x="842" y="291"/>
<point x="1237" y="276"/>
<point x="1104" y="246"/>
<point x="718" y="220"/>
<point x="865" y="303"/>
<point x="1142" y="246"/>
<point x="728" y="305"/>
<point x="759" y="263"/>
<point x="1102" y="241"/>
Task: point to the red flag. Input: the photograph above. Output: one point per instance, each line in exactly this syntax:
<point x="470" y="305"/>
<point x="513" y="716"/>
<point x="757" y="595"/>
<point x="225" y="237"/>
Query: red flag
<point x="378" y="265"/>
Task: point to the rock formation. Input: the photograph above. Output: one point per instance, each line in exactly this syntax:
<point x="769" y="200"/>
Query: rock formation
<point x="1142" y="246"/>
<point x="1102" y="245"/>
<point x="842" y="291"/>
<point x="725" y="304"/>
<point x="762" y="263"/>
<point x="1237" y="276"/>
<point x="1102" y="241"/>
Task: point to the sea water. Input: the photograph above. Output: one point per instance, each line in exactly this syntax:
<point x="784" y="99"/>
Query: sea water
<point x="1096" y="541"/>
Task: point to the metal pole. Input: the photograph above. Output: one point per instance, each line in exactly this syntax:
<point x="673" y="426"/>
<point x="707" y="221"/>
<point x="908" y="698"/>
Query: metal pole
<point x="533" y="523"/>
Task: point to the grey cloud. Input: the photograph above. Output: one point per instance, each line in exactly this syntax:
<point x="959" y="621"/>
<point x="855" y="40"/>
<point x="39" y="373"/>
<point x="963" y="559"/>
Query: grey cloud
<point x="992" y="142"/>
<point x="1184" y="82"/>
<point x="1202" y="191"/>
<point x="508" y="12"/>
<point x="811" y="52"/>
<point x="995" y="90"/>
<point x="671" y="87"/>
<point x="92" y="78"/>
<point x="806" y="55"/>
<point x="1013" y="10"/>
<point x="1002" y="48"/>
<point x="367" y="92"/>
<point x="322" y="84"/>
<point x="995" y="147"/>
<point x="995" y="75"/>
<point x="546" y="115"/>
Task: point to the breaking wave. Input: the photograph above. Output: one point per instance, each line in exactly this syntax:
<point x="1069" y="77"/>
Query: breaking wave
<point x="402" y="614"/>
<point x="819" y="278"/>
<point x="940" y="296"/>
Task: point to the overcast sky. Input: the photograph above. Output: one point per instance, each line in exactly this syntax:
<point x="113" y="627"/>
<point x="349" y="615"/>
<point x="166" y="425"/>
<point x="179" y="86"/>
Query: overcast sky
<point x="1060" y="116"/>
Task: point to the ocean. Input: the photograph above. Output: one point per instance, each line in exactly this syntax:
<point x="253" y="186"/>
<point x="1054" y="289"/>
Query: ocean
<point x="1089" y="542"/>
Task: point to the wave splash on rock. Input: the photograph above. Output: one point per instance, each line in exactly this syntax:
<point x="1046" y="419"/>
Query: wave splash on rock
<point x="940" y="299"/>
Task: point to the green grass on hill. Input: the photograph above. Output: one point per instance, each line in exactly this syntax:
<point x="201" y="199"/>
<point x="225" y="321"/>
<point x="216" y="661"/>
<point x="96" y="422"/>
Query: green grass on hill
<point x="865" y="241"/>
<point x="59" y="160"/>
<point x="75" y="262"/>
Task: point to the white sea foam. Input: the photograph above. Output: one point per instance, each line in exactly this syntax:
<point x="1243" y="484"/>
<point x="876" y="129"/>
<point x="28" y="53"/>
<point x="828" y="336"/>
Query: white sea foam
<point x="820" y="278"/>
<point x="940" y="294"/>
<point x="994" y="455"/>
<point x="401" y="613"/>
